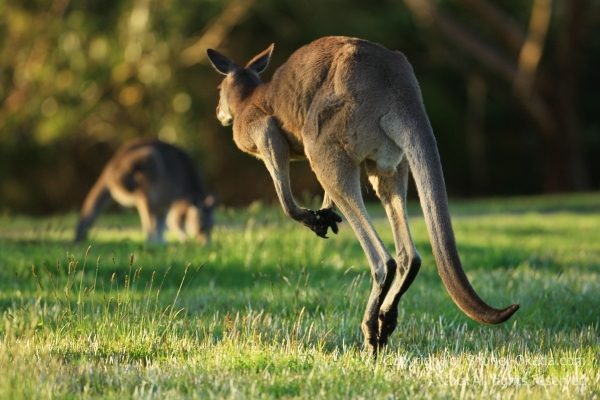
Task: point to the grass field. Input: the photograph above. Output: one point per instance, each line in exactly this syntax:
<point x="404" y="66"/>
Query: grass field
<point x="269" y="310"/>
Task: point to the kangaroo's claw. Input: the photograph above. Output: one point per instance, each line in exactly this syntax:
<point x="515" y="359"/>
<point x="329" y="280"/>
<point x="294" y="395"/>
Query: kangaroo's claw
<point x="321" y="220"/>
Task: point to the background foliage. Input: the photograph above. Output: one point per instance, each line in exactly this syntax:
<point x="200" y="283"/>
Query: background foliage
<point x="79" y="78"/>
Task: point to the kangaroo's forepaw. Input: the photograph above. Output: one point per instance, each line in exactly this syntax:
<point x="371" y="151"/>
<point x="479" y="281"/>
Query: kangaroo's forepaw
<point x="321" y="220"/>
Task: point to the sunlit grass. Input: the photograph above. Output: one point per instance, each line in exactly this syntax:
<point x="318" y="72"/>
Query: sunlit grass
<point x="270" y="310"/>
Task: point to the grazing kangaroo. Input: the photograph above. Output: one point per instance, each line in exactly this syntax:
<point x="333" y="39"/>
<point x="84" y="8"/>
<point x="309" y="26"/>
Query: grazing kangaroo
<point x="344" y="103"/>
<point x="162" y="182"/>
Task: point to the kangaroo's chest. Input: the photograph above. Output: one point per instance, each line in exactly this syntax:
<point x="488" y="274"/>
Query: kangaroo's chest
<point x="243" y="142"/>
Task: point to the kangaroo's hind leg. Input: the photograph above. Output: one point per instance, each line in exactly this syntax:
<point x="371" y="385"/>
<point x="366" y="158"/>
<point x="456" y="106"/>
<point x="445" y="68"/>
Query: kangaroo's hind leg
<point x="391" y="189"/>
<point x="153" y="222"/>
<point x="340" y="177"/>
<point x="176" y="220"/>
<point x="96" y="200"/>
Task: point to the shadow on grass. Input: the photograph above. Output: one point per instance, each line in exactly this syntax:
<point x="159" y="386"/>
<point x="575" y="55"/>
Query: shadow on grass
<point x="551" y="307"/>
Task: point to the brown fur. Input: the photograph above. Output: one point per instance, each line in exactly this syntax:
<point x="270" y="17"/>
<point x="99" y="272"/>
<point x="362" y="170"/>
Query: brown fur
<point x="344" y="103"/>
<point x="161" y="181"/>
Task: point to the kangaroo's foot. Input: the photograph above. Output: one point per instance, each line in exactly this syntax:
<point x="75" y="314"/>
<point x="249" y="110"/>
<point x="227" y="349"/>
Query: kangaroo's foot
<point x="371" y="341"/>
<point x="321" y="220"/>
<point x="388" y="312"/>
<point x="372" y="320"/>
<point x="387" y="324"/>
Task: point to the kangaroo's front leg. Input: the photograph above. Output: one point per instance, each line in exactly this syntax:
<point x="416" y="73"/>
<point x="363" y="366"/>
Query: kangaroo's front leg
<point x="327" y="201"/>
<point x="275" y="153"/>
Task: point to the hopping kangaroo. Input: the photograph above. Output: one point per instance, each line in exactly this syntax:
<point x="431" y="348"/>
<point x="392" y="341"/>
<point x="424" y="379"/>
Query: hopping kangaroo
<point x="344" y="103"/>
<point x="162" y="182"/>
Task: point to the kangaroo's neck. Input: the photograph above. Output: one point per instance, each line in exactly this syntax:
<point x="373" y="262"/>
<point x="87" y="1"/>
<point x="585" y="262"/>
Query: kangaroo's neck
<point x="258" y="99"/>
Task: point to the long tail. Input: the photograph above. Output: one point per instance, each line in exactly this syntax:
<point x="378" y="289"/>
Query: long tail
<point x="424" y="161"/>
<point x="96" y="200"/>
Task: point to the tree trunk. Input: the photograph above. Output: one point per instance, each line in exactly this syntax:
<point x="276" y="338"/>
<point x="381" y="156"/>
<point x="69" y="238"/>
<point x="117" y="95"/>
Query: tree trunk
<point x="475" y="133"/>
<point x="569" y="59"/>
<point x="565" y="161"/>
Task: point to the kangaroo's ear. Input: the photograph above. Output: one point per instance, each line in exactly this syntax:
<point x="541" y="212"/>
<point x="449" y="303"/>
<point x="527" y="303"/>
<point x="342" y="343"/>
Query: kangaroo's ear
<point x="260" y="62"/>
<point x="221" y="63"/>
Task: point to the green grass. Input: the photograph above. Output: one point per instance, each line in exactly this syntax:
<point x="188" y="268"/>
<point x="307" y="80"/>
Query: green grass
<point x="270" y="310"/>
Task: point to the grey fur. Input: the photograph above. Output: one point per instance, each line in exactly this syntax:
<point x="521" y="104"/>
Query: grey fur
<point x="161" y="181"/>
<point x="344" y="103"/>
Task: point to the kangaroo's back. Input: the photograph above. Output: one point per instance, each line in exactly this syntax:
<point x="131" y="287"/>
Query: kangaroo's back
<point x="153" y="168"/>
<point x="332" y="74"/>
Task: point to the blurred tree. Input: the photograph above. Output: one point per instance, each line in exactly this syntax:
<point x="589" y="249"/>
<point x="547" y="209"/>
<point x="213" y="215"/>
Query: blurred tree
<point x="79" y="78"/>
<point x="548" y="93"/>
<point x="75" y="74"/>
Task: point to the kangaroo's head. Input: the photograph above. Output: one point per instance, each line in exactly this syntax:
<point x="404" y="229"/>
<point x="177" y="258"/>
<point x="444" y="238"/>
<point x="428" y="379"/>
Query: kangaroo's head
<point x="238" y="83"/>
